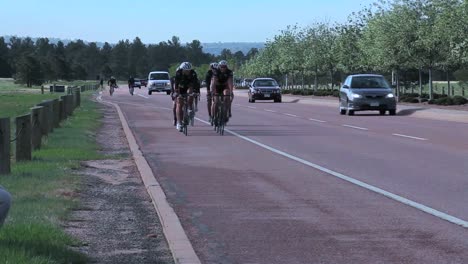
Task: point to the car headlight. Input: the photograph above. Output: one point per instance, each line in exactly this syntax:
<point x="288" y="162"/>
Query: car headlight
<point x="168" y="83"/>
<point x="390" y="95"/>
<point x="356" y="95"/>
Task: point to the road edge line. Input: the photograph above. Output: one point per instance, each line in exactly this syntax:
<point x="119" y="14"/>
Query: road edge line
<point x="179" y="244"/>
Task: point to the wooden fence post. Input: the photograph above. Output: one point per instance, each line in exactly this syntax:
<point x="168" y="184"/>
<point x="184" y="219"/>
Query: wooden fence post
<point x="56" y="112"/>
<point x="36" y="126"/>
<point x="48" y="113"/>
<point x="63" y="107"/>
<point x="23" y="138"/>
<point x="78" y="97"/>
<point x="5" y="145"/>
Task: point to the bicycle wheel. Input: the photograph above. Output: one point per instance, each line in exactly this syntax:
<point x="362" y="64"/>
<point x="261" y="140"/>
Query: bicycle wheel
<point x="222" y="119"/>
<point x="186" y="119"/>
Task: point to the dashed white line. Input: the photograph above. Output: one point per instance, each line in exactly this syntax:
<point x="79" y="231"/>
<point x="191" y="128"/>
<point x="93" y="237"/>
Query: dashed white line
<point x="390" y="195"/>
<point x="317" y="120"/>
<point x="405" y="136"/>
<point x="290" y="115"/>
<point x="271" y="111"/>
<point x="144" y="96"/>
<point x="355" y="127"/>
<point x="252" y="107"/>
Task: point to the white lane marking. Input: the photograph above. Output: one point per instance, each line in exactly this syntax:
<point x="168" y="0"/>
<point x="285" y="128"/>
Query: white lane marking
<point x="405" y="136"/>
<point x="355" y="127"/>
<point x="290" y="115"/>
<point x="271" y="111"/>
<point x="237" y="105"/>
<point x="144" y="96"/>
<point x="390" y="195"/>
<point x="317" y="120"/>
<point x="252" y="107"/>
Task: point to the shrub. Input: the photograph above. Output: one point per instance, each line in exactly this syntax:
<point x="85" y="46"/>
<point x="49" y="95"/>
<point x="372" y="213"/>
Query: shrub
<point x="444" y="101"/>
<point x="459" y="100"/>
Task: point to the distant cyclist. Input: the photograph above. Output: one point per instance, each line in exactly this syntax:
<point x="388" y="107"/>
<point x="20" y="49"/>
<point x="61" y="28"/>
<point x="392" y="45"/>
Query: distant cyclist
<point x="222" y="83"/>
<point x="208" y="77"/>
<point x="186" y="80"/>
<point x="131" y="83"/>
<point x="112" y="81"/>
<point x="112" y="84"/>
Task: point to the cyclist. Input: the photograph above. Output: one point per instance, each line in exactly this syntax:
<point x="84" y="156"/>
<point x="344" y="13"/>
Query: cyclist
<point x="112" y="84"/>
<point x="222" y="83"/>
<point x="131" y="82"/>
<point x="186" y="80"/>
<point x="112" y="81"/>
<point x="208" y="77"/>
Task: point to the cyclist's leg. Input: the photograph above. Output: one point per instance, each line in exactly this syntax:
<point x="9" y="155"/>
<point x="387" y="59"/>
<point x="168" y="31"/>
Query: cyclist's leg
<point x="227" y="103"/>
<point x="174" y="105"/>
<point x="179" y="111"/>
<point x="209" y="103"/>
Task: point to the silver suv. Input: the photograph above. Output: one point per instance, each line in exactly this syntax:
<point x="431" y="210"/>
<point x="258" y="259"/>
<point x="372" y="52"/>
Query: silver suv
<point x="362" y="92"/>
<point x="159" y="81"/>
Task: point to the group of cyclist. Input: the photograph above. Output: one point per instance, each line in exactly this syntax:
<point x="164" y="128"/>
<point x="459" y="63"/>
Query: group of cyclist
<point x="186" y="88"/>
<point x="112" y="82"/>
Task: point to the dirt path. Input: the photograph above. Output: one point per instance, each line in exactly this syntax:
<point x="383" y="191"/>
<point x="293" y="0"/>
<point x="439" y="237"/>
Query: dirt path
<point x="116" y="221"/>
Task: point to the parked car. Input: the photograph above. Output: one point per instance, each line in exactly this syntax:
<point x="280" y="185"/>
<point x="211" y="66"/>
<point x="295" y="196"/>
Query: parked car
<point x="144" y="82"/>
<point x="159" y="81"/>
<point x="364" y="92"/>
<point x="264" y="89"/>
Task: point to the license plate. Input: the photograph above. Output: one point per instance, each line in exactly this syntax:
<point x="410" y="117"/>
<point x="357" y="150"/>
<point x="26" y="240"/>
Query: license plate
<point x="374" y="104"/>
<point x="266" y="95"/>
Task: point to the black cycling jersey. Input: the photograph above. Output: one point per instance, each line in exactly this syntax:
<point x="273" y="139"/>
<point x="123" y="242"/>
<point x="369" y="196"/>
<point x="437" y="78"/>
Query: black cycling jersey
<point x="112" y="81"/>
<point x="131" y="81"/>
<point x="223" y="77"/>
<point x="184" y="82"/>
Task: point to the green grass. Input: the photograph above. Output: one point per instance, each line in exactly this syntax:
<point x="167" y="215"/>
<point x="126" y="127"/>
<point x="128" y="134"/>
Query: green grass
<point x="44" y="191"/>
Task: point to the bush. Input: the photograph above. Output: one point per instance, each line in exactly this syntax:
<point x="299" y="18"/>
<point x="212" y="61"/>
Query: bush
<point x="459" y="100"/>
<point x="409" y="99"/>
<point x="285" y="91"/>
<point x="424" y="100"/>
<point x="444" y="101"/>
<point x="336" y="93"/>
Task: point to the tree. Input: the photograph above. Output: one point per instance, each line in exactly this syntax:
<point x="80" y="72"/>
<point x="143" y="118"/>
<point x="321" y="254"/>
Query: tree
<point x="29" y="70"/>
<point x="5" y="69"/>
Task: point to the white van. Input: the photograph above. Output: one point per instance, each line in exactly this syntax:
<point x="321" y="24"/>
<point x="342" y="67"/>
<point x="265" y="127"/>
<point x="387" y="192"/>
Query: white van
<point x="159" y="81"/>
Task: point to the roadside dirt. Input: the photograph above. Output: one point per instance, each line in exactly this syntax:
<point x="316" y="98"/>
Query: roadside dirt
<point x="116" y="220"/>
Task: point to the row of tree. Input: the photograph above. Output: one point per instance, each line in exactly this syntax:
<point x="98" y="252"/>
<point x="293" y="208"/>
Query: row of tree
<point x="396" y="36"/>
<point x="41" y="61"/>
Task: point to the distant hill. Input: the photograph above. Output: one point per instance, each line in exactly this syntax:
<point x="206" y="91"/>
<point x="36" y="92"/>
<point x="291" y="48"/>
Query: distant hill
<point x="214" y="48"/>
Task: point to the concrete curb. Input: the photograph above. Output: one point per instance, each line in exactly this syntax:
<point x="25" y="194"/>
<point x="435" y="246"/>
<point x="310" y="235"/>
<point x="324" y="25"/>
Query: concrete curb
<point x="181" y="248"/>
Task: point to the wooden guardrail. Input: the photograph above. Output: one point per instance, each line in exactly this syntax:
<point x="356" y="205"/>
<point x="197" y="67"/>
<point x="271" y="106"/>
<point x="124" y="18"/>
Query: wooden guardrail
<point x="36" y="125"/>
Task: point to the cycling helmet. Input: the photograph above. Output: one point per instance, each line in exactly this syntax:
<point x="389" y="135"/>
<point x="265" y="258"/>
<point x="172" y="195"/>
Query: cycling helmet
<point x="223" y="63"/>
<point x="185" y="66"/>
<point x="214" y="65"/>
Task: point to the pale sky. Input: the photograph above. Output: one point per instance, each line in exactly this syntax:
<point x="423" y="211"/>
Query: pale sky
<point x="155" y="20"/>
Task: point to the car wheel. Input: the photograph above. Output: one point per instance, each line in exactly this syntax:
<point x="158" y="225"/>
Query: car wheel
<point x="149" y="92"/>
<point x="168" y="92"/>
<point x="253" y="100"/>
<point x="342" y="111"/>
<point x="350" y="112"/>
<point x="382" y="112"/>
<point x="392" y="112"/>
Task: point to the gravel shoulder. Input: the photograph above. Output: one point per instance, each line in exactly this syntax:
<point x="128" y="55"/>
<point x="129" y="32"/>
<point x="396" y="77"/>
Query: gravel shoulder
<point x="116" y="220"/>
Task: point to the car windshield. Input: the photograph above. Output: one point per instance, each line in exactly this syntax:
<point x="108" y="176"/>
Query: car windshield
<point x="265" y="83"/>
<point x="159" y="76"/>
<point x="364" y="82"/>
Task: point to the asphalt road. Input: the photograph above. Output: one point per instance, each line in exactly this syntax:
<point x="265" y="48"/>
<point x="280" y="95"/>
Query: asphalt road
<point x="296" y="183"/>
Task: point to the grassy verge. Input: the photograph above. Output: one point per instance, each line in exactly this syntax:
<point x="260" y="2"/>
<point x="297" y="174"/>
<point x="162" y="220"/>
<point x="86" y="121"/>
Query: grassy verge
<point x="43" y="192"/>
